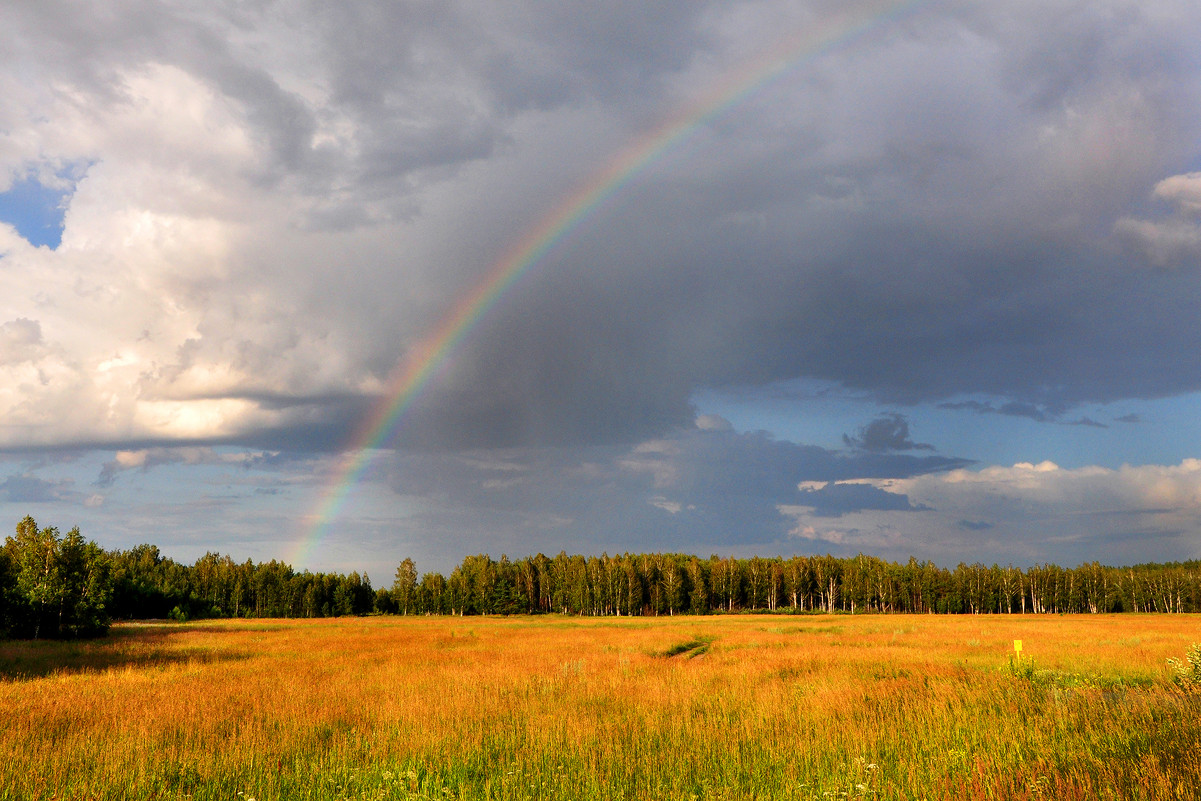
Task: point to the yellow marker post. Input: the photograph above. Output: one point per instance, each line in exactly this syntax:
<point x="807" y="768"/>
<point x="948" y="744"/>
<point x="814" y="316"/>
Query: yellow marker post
<point x="1017" y="648"/>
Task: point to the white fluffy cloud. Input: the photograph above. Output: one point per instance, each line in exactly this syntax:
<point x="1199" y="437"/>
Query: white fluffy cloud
<point x="1040" y="488"/>
<point x="1183" y="190"/>
<point x="1033" y="512"/>
<point x="197" y="273"/>
<point x="141" y="316"/>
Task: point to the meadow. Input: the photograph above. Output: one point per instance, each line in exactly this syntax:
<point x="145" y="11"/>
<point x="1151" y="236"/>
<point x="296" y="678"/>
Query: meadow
<point x="549" y="707"/>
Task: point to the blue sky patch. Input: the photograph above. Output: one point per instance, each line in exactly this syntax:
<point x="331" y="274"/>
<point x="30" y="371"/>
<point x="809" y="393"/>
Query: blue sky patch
<point x="36" y="211"/>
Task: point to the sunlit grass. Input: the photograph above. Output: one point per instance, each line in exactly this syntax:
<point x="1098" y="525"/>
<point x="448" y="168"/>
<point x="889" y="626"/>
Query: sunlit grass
<point x="816" y="707"/>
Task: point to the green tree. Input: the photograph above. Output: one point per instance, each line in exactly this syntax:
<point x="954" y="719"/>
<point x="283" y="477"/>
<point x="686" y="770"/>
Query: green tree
<point x="698" y="583"/>
<point x="672" y="582"/>
<point x="33" y="552"/>
<point x="8" y="593"/>
<point x="404" y="588"/>
<point x="84" y="572"/>
<point x="56" y="586"/>
<point x="432" y="594"/>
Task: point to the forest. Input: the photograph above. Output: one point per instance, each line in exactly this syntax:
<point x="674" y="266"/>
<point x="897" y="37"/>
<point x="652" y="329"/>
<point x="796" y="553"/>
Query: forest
<point x="668" y="584"/>
<point x="63" y="586"/>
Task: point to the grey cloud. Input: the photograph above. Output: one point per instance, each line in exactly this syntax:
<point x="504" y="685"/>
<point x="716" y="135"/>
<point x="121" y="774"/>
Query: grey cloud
<point x="889" y="432"/>
<point x="1030" y="411"/>
<point x="971" y="405"/>
<point x="922" y="214"/>
<point x="408" y="80"/>
<point x="1043" y="317"/>
<point x="713" y="422"/>
<point x="149" y="458"/>
<point x="31" y="489"/>
<point x="1172" y="240"/>
<point x="836" y="500"/>
<point x="20" y="340"/>
<point x="692" y="490"/>
<point x="1170" y="243"/>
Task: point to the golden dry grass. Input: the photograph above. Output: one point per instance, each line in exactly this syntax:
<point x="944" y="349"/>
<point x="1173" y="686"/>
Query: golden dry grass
<point x="551" y="707"/>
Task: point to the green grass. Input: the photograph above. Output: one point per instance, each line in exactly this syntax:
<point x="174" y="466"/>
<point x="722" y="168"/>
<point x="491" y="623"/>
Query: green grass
<point x="698" y="646"/>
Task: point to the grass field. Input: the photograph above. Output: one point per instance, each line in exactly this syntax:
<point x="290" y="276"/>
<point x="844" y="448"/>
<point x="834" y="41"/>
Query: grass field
<point x="737" y="707"/>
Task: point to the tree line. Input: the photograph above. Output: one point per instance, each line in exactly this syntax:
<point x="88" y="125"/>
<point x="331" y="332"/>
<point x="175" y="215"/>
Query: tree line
<point x="62" y="586"/>
<point x="669" y="583"/>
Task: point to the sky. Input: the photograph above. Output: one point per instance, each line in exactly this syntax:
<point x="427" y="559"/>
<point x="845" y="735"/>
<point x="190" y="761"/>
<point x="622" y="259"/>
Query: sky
<point x="344" y="284"/>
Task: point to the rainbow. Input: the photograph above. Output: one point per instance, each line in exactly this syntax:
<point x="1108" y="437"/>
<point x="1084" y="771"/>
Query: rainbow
<point x="421" y="364"/>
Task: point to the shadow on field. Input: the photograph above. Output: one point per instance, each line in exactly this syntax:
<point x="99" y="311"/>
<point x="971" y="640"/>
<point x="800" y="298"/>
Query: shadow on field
<point x="137" y="646"/>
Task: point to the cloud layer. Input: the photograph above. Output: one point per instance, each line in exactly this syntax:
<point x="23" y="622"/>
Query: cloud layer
<point x="267" y="208"/>
<point x="277" y="203"/>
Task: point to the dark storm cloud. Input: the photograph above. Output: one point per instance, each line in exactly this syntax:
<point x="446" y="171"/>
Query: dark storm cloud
<point x="891" y="244"/>
<point x="922" y="212"/>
